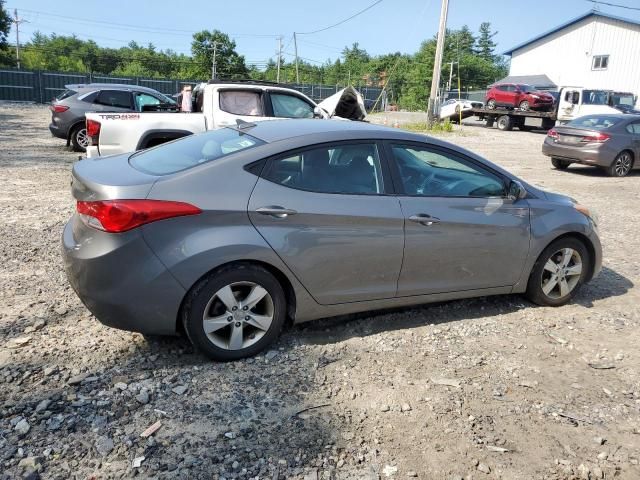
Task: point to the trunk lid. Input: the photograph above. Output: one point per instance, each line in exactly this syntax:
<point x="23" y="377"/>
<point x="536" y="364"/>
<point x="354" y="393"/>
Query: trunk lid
<point x="578" y="137"/>
<point x="108" y="178"/>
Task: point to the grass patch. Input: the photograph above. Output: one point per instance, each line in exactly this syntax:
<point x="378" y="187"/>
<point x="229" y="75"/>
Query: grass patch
<point x="437" y="127"/>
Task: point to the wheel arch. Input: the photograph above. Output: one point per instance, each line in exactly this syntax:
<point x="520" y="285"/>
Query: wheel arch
<point x="73" y="127"/>
<point x="585" y="240"/>
<point x="281" y="277"/>
<point x="630" y="152"/>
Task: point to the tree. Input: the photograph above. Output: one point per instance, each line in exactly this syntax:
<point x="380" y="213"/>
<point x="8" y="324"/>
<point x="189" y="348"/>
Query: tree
<point x="229" y="64"/>
<point x="6" y="59"/>
<point x="485" y="45"/>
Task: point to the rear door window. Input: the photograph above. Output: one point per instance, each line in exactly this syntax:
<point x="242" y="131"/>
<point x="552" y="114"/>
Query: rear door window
<point x="241" y="102"/>
<point x="114" y="98"/>
<point x="191" y="151"/>
<point x="634" y="128"/>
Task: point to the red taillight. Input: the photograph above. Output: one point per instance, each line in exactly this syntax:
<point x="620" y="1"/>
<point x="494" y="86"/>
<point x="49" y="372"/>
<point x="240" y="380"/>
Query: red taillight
<point x="552" y="133"/>
<point x="59" y="108"/>
<point x="598" y="137"/>
<point x="115" y="216"/>
<point x="93" y="131"/>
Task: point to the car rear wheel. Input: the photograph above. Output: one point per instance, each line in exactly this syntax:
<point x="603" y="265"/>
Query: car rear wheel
<point x="79" y="138"/>
<point x="491" y="104"/>
<point x="560" y="164"/>
<point x="621" y="166"/>
<point x="234" y="313"/>
<point x="524" y="106"/>
<point x="559" y="272"/>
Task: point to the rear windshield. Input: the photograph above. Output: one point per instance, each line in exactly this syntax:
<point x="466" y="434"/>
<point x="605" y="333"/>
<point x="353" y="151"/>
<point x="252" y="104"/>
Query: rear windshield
<point x="598" y="122"/>
<point x="191" y="151"/>
<point x="65" y="94"/>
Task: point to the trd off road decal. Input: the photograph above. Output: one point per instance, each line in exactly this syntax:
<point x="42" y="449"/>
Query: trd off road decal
<point x="120" y="116"/>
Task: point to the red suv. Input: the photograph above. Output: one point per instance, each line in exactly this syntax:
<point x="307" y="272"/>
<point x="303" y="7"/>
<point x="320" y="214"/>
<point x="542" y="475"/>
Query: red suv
<point x="518" y="95"/>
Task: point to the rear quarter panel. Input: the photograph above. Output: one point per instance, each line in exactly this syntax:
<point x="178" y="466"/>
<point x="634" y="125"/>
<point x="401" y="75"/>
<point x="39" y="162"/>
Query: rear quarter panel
<point x="121" y="132"/>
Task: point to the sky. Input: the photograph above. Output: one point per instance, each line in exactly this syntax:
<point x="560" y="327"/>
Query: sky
<point x="389" y="26"/>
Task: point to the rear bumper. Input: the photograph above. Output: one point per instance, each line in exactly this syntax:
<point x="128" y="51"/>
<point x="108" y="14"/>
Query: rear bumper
<point x="600" y="156"/>
<point x="120" y="280"/>
<point x="56" y="131"/>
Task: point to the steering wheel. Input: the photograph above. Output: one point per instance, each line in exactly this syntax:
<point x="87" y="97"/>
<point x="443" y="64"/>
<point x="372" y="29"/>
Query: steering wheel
<point x="426" y="181"/>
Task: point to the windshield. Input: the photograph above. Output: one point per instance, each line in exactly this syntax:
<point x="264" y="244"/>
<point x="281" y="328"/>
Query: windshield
<point x="594" y="122"/>
<point x="595" y="97"/>
<point x="625" y="99"/>
<point x="191" y="151"/>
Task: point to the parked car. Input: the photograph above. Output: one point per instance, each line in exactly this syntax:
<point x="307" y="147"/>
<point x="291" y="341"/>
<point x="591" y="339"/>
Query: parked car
<point x="451" y="109"/>
<point x="227" y="233"/>
<point x="518" y="95"/>
<point x="611" y="142"/>
<point x="216" y="105"/>
<point x="69" y="108"/>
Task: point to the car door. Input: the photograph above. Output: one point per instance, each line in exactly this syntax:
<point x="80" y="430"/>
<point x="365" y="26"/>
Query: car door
<point x="510" y="95"/>
<point x="248" y="104"/>
<point x="501" y="91"/>
<point x="461" y="233"/>
<point x="325" y="212"/>
<point x="113" y="101"/>
<point x="634" y="129"/>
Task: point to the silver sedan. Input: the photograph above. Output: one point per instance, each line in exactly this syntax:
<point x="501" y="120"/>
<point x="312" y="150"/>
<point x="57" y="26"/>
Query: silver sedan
<point x="225" y="234"/>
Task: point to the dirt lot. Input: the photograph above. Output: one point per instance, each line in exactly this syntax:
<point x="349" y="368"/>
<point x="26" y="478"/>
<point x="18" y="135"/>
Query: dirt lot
<point x="485" y="388"/>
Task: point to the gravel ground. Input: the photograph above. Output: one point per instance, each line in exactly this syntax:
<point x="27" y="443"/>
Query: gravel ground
<point x="483" y="388"/>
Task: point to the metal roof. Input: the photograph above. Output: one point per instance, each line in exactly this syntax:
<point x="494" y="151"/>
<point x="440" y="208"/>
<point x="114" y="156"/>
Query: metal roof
<point x="538" y="81"/>
<point x="591" y="13"/>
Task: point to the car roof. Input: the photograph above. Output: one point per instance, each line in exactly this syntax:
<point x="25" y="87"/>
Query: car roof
<point x="112" y="86"/>
<point x="272" y="131"/>
<point x="621" y="116"/>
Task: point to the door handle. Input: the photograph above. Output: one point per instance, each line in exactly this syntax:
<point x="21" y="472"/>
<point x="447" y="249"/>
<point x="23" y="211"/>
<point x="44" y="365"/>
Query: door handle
<point x="424" y="219"/>
<point x="276" y="211"/>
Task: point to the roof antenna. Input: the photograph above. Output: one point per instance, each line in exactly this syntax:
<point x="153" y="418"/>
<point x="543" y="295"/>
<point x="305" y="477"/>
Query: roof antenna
<point x="242" y="125"/>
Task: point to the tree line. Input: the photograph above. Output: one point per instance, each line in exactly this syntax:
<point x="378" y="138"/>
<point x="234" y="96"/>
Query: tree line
<point x="406" y="76"/>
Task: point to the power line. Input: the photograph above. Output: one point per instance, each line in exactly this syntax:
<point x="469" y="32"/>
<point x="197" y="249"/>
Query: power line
<point x="342" y="21"/>
<point x="170" y="31"/>
<point x="598" y="2"/>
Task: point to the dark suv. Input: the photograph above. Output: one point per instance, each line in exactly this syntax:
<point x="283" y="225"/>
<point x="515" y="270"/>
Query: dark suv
<point x="68" y="108"/>
<point x="518" y="95"/>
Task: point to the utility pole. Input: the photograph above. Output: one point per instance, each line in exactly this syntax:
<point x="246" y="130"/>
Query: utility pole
<point x="17" y="21"/>
<point x="213" y="64"/>
<point x="451" y="74"/>
<point x="279" y="56"/>
<point x="295" y="46"/>
<point x="437" y="64"/>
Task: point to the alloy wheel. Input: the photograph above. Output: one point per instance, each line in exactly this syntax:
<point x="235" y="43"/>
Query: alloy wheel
<point x="238" y="315"/>
<point x="524" y="106"/>
<point x="82" y="138"/>
<point x="622" y="164"/>
<point x="561" y="273"/>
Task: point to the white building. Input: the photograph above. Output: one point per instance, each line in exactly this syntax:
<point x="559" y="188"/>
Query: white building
<point x="595" y="50"/>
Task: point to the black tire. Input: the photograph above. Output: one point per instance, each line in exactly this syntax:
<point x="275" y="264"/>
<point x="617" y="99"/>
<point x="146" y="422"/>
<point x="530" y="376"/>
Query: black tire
<point x="560" y="164"/>
<point x="621" y="165"/>
<point x="535" y="292"/>
<point x="78" y="132"/>
<point x="491" y="104"/>
<point x="524" y="106"/>
<point x="198" y="299"/>
<point x="505" y="123"/>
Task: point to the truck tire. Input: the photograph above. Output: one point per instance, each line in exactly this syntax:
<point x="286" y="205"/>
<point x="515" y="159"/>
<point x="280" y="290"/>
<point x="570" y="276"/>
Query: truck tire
<point x="505" y="123"/>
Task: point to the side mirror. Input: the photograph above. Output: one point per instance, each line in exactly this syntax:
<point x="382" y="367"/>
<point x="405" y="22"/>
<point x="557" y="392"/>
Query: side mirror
<point x="319" y="113"/>
<point x="516" y="191"/>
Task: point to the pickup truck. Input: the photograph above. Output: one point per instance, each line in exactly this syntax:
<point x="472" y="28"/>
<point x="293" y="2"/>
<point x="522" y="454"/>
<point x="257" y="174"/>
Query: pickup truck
<point x="218" y="105"/>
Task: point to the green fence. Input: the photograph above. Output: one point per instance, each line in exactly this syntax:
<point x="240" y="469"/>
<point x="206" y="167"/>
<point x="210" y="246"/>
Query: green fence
<point x="41" y="86"/>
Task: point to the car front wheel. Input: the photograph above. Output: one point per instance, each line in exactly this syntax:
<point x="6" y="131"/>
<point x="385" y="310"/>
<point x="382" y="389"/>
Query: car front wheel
<point x="559" y="272"/>
<point x="235" y="312"/>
